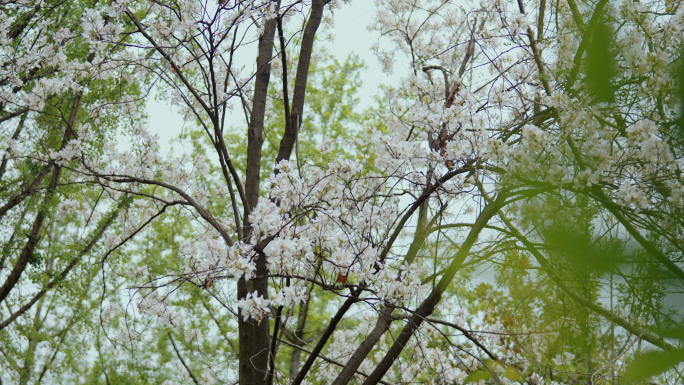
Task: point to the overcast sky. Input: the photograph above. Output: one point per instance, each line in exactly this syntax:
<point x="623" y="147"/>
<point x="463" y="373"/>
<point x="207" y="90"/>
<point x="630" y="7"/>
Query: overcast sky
<point x="351" y="36"/>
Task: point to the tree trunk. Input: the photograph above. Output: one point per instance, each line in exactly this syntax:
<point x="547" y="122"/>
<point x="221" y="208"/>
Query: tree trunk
<point x="253" y="335"/>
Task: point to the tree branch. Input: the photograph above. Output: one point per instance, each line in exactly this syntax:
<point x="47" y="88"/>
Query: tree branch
<point x="192" y="375"/>
<point x="324" y="358"/>
<point x="299" y="92"/>
<point x="34" y="235"/>
<point x="326" y="335"/>
<point x="96" y="237"/>
<point x="428" y="306"/>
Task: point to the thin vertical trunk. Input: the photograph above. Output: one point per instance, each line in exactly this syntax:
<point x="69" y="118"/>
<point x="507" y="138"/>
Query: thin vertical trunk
<point x="253" y="335"/>
<point x="306" y="49"/>
<point x="299" y="336"/>
<point x="30" y="354"/>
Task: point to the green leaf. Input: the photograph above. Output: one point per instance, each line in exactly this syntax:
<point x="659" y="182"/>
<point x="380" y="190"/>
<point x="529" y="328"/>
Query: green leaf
<point x="514" y="374"/>
<point x="600" y="63"/>
<point x="481" y="374"/>
<point x="127" y="200"/>
<point x="650" y="364"/>
<point x="36" y="258"/>
<point x="677" y="332"/>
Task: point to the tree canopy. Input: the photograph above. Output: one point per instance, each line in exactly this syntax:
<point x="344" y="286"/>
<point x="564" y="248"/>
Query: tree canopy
<point x="511" y="211"/>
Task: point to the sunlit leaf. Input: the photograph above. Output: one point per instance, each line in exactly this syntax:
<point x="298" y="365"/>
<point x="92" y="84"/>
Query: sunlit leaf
<point x="481" y="374"/>
<point x="514" y="374"/>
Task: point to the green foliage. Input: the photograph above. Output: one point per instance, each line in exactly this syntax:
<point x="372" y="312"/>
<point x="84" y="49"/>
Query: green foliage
<point x="600" y="62"/>
<point x="498" y="369"/>
<point x="579" y="249"/>
<point x="649" y="364"/>
<point x="36" y="258"/>
<point x="652" y="363"/>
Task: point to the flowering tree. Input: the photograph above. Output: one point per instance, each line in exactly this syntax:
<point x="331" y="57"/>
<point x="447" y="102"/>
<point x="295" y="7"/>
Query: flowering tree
<point x="510" y="212"/>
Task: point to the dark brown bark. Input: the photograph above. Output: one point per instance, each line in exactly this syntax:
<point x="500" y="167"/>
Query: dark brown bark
<point x="229" y="171"/>
<point x="362" y="351"/>
<point x="286" y="96"/>
<point x="427" y="70"/>
<point x="21" y="24"/>
<point x="428" y="306"/>
<point x="326" y="359"/>
<point x="254" y="336"/>
<point x="13" y="115"/>
<point x="275" y="338"/>
<point x="299" y="93"/>
<point x="326" y="335"/>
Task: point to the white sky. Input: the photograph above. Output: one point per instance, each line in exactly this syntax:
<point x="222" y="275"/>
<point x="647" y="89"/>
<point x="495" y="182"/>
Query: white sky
<point x="350" y="36"/>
